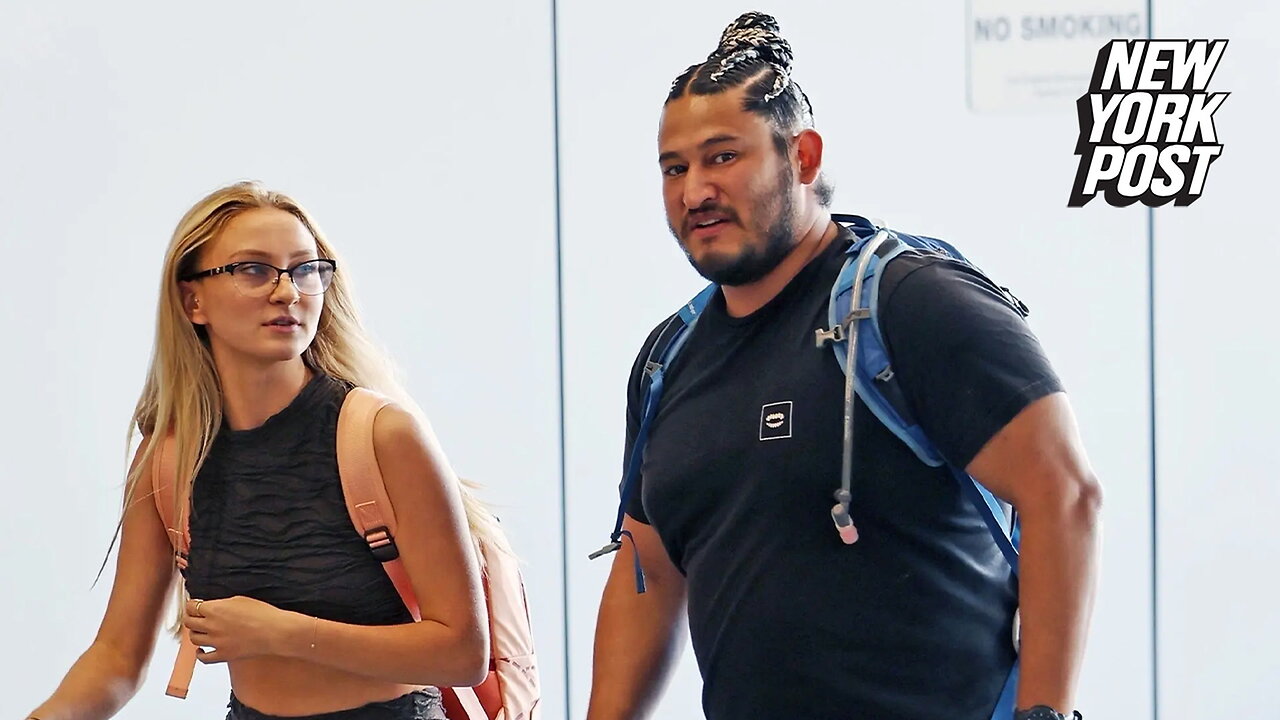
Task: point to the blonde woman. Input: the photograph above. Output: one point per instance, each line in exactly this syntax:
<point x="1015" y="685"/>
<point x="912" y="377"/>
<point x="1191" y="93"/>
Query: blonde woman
<point x="257" y="344"/>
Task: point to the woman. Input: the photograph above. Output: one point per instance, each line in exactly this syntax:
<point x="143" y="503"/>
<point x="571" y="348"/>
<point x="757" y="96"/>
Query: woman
<point x="257" y="344"/>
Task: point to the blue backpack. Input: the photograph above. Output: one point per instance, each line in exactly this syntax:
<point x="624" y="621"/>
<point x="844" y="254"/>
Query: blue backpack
<point x="858" y="344"/>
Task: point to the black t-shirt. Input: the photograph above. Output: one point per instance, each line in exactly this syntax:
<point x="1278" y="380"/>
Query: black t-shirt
<point x="912" y="621"/>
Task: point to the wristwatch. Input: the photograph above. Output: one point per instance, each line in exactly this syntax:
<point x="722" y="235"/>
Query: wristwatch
<point x="1044" y="712"/>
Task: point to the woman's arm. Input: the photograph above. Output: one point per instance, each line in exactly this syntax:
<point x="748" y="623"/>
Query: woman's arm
<point x="450" y="647"/>
<point x="108" y="674"/>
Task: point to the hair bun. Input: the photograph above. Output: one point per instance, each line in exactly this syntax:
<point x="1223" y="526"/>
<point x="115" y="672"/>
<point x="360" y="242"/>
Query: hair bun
<point x="757" y="35"/>
<point x="752" y="39"/>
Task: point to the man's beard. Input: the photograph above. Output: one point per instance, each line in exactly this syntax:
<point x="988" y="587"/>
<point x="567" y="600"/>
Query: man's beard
<point x="755" y="262"/>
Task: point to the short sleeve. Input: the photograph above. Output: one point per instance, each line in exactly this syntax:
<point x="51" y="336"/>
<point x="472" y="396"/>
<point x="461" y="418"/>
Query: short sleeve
<point x="966" y="359"/>
<point x="635" y="406"/>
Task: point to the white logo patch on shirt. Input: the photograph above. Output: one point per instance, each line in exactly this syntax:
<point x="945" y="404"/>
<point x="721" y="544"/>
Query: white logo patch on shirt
<point x="775" y="421"/>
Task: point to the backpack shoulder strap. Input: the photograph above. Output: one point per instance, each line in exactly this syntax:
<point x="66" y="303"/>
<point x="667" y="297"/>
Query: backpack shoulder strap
<point x="164" y="480"/>
<point x="666" y="348"/>
<point x="671" y="340"/>
<point x="512" y="683"/>
<point x="874" y="379"/>
<point x="363" y="489"/>
<point x="876" y="382"/>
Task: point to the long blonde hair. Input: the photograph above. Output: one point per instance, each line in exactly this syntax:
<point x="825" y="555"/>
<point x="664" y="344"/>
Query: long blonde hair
<point x="182" y="396"/>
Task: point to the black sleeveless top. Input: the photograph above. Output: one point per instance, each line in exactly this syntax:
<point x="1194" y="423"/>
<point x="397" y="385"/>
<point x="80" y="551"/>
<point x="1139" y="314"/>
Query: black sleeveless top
<point x="269" y="522"/>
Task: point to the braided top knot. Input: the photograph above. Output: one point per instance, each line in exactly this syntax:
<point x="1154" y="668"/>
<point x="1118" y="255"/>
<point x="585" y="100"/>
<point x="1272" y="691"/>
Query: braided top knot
<point x="754" y="37"/>
<point x="752" y="55"/>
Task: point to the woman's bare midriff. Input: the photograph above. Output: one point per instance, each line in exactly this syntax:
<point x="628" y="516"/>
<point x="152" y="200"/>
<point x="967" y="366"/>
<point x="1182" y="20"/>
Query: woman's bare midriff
<point x="285" y="686"/>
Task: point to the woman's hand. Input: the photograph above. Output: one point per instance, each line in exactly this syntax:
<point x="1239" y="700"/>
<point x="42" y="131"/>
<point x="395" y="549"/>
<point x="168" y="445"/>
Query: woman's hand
<point x="238" y="628"/>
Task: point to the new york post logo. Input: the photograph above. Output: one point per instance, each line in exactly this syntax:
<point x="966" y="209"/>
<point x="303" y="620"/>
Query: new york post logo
<point x="1146" y="124"/>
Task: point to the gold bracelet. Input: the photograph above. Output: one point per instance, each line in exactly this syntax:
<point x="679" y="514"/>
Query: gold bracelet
<point x="315" y="628"/>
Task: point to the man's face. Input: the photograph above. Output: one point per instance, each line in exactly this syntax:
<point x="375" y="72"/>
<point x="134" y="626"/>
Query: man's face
<point x="729" y="194"/>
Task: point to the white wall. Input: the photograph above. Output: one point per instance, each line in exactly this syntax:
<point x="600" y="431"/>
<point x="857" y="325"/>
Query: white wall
<point x="1217" y="390"/>
<point x="422" y="138"/>
<point x="902" y="146"/>
<point x="420" y="135"/>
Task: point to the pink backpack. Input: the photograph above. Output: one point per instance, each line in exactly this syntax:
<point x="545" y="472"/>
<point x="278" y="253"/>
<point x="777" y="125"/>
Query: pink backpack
<point x="510" y="692"/>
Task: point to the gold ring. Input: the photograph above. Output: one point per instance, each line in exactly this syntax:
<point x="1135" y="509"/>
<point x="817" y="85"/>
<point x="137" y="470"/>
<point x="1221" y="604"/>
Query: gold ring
<point x="196" y="610"/>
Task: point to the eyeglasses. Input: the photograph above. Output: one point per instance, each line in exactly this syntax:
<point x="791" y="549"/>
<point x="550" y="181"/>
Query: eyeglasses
<point x="258" y="279"/>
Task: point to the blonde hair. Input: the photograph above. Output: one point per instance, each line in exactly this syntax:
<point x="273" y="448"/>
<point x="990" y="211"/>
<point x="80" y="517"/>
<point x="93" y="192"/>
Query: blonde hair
<point x="182" y="395"/>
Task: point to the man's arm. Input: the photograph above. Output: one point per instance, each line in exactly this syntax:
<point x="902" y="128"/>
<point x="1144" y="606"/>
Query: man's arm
<point x="638" y="636"/>
<point x="1037" y="462"/>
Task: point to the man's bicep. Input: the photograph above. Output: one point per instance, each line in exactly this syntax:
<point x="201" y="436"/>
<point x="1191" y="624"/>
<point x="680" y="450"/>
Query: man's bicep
<point x="653" y="554"/>
<point x="1037" y="458"/>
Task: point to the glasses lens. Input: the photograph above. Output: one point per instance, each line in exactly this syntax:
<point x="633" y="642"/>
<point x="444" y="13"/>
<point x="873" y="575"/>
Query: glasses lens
<point x="312" y="278"/>
<point x="254" y="278"/>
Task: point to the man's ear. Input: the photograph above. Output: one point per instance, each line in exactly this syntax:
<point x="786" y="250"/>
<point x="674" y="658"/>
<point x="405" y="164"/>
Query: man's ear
<point x="809" y="155"/>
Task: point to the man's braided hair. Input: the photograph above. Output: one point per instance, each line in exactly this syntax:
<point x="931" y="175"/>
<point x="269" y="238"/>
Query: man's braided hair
<point x="753" y="52"/>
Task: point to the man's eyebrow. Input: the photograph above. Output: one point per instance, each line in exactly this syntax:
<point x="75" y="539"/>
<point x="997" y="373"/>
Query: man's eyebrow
<point x="713" y="140"/>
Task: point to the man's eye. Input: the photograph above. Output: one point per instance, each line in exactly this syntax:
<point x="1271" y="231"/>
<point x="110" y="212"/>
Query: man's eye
<point x="673" y="170"/>
<point x="724" y="157"/>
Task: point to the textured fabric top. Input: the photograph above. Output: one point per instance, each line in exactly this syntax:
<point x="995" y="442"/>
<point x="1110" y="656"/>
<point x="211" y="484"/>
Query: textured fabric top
<point x="269" y="520"/>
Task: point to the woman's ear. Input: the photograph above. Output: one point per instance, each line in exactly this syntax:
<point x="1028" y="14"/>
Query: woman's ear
<point x="191" y="304"/>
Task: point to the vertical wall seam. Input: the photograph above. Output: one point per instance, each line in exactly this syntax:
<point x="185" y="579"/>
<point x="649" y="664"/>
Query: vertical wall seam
<point x="564" y="514"/>
<point x="1155" y="498"/>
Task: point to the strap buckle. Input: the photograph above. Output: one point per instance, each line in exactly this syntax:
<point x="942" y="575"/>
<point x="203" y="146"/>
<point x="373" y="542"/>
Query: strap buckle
<point x="381" y="544"/>
<point x="839" y="333"/>
<point x="611" y="547"/>
<point x="822" y="337"/>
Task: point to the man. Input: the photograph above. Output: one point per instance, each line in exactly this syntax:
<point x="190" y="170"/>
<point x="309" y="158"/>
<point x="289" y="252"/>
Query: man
<point x="913" y="620"/>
